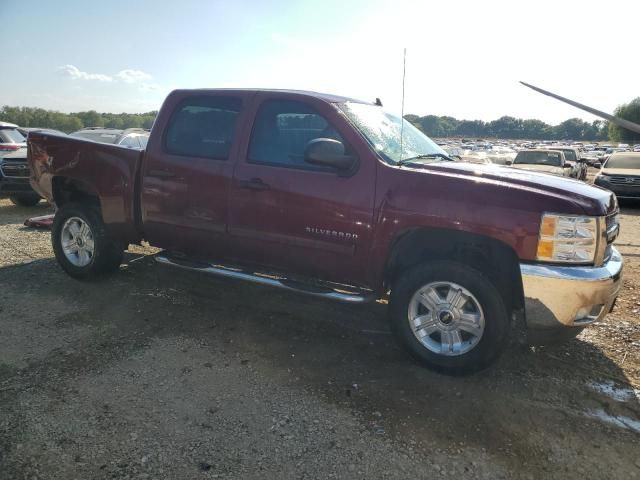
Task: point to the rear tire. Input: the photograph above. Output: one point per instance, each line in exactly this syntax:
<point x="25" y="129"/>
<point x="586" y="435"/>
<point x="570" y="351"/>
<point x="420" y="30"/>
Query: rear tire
<point x="449" y="316"/>
<point x="25" y="200"/>
<point x="81" y="243"/>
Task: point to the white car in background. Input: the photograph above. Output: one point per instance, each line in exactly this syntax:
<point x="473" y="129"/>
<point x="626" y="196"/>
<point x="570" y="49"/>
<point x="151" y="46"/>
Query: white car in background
<point x="501" y="155"/>
<point x="544" y="161"/>
<point x="475" y="156"/>
<point x="11" y="140"/>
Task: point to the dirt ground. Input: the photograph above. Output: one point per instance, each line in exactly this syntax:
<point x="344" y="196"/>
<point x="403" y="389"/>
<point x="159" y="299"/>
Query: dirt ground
<point x="159" y="373"/>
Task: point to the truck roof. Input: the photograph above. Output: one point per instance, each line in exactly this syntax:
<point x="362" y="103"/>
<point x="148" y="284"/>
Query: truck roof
<point x="327" y="97"/>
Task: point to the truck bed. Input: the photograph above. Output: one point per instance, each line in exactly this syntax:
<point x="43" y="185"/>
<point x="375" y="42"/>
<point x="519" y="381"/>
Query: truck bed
<point x="56" y="160"/>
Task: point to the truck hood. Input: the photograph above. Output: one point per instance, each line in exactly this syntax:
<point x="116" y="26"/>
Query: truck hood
<point x="592" y="199"/>
<point x="621" y="171"/>
<point x="539" y="168"/>
<point x="18" y="155"/>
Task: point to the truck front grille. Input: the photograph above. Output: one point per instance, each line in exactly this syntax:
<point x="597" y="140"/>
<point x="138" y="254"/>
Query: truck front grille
<point x="16" y="170"/>
<point x="625" y="180"/>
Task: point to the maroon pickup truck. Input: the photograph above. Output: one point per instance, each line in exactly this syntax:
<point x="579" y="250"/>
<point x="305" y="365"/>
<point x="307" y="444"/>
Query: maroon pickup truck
<point x="334" y="197"/>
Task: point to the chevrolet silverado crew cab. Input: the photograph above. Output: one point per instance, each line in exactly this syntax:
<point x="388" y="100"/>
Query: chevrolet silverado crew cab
<point x="334" y="197"/>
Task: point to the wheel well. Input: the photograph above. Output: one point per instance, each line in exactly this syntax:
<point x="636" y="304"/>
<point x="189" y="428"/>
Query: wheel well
<point x="67" y="190"/>
<point x="493" y="258"/>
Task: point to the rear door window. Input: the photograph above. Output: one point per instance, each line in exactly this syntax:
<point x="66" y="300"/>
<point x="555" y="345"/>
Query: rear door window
<point x="203" y="126"/>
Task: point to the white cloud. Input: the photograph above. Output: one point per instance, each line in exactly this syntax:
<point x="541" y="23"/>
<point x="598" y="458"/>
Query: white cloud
<point x="127" y="75"/>
<point x="77" y="74"/>
<point x="133" y="76"/>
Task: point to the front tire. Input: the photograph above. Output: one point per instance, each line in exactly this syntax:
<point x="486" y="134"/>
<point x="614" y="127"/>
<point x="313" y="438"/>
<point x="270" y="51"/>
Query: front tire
<point x="449" y="316"/>
<point x="25" y="200"/>
<point x="81" y="243"/>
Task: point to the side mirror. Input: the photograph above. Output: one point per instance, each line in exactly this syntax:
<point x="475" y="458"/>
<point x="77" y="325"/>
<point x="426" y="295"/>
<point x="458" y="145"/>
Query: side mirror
<point x="328" y="152"/>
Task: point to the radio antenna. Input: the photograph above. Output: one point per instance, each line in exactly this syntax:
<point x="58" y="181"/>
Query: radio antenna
<point x="404" y="73"/>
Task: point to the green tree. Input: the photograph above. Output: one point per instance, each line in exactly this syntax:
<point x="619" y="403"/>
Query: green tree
<point x="90" y="118"/>
<point x="472" y="128"/>
<point x="629" y="111"/>
<point x="432" y="126"/>
<point x="535" y="129"/>
<point x="507" y="127"/>
<point x="114" y="122"/>
<point x="148" y="120"/>
<point x="600" y="129"/>
<point x="572" y="129"/>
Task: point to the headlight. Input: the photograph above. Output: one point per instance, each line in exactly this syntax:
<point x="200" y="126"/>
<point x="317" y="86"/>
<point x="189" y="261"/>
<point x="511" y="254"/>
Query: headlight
<point x="568" y="238"/>
<point x="602" y="178"/>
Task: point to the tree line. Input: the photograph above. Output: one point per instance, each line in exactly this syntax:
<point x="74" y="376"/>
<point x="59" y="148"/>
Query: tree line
<point x="511" y="127"/>
<point x="532" y="129"/>
<point x="432" y="125"/>
<point x="70" y="122"/>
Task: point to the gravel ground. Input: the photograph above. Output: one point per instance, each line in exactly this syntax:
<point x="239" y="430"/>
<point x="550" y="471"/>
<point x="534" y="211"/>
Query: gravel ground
<point x="159" y="373"/>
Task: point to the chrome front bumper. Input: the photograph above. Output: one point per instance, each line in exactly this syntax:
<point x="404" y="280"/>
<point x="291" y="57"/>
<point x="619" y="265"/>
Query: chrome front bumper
<point x="562" y="296"/>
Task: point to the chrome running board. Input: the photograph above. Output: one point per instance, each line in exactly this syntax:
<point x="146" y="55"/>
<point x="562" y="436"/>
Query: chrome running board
<point x="333" y="293"/>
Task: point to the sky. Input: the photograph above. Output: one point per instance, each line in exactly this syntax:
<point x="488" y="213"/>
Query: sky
<point x="464" y="58"/>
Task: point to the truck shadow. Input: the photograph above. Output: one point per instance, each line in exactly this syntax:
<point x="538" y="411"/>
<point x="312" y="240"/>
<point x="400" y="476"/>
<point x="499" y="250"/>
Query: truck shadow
<point x="343" y="354"/>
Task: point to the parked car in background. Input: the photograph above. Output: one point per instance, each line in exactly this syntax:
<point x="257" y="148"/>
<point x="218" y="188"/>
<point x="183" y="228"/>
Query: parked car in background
<point x="11" y="139"/>
<point x="592" y="158"/>
<point x="131" y="137"/>
<point x="501" y="155"/>
<point x="14" y="179"/>
<point x="545" y="161"/>
<point x="621" y="175"/>
<point x="322" y="195"/>
<point x="573" y="157"/>
<point x="475" y="156"/>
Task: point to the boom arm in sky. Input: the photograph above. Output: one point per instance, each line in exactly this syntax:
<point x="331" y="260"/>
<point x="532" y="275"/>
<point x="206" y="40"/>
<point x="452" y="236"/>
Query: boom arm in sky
<point x="634" y="127"/>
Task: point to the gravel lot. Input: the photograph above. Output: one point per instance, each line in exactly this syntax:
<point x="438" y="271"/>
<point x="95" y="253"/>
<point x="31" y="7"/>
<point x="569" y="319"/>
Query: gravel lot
<point x="159" y="373"/>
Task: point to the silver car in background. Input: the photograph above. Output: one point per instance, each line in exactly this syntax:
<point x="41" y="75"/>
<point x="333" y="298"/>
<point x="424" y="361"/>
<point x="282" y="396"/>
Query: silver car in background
<point x="131" y="137"/>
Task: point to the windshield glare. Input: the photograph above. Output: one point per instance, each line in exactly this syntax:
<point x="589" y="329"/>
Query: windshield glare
<point x="623" y="161"/>
<point x="382" y="130"/>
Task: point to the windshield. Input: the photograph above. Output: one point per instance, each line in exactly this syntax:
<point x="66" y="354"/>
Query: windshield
<point x="570" y="155"/>
<point x="11" y="135"/>
<point x="382" y="130"/>
<point x="623" y="161"/>
<point x="538" y="158"/>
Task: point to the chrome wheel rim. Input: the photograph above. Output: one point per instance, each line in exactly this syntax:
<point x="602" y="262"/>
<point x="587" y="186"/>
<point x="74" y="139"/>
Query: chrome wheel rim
<point x="446" y="318"/>
<point x="77" y="242"/>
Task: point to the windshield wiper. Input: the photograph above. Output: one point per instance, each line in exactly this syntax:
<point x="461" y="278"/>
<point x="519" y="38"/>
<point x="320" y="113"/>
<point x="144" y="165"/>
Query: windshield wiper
<point x="425" y="156"/>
